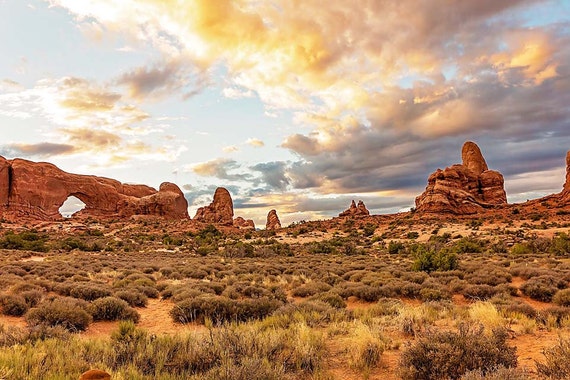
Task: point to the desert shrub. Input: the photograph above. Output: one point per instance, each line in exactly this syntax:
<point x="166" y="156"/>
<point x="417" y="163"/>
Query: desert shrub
<point x="330" y="298"/>
<point x="449" y="355"/>
<point x="311" y="313"/>
<point x="13" y="304"/>
<point x="434" y="294"/>
<point x="562" y="297"/>
<point x="479" y="292"/>
<point x="395" y="247"/>
<point x="28" y="240"/>
<point x="467" y="245"/>
<point x="65" y="312"/>
<point x="148" y="291"/>
<point x="521" y="249"/>
<point x="560" y="245"/>
<point x="220" y="309"/>
<point x="427" y="259"/>
<point x="89" y="292"/>
<point x="32" y="297"/>
<point x="542" y="288"/>
<point x="310" y="289"/>
<point x="412" y="235"/>
<point x="500" y="373"/>
<point x="112" y="309"/>
<point x="519" y="308"/>
<point x="133" y="297"/>
<point x="554" y="316"/>
<point x="557" y="363"/>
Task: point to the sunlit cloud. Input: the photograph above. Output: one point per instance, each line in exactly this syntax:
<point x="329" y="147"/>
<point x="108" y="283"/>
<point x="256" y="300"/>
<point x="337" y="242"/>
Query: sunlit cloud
<point x="256" y="143"/>
<point x="85" y="118"/>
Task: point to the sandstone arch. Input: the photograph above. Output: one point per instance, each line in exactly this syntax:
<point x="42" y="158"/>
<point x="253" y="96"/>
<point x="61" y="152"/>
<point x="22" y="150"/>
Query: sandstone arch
<point x="36" y="190"/>
<point x="72" y="205"/>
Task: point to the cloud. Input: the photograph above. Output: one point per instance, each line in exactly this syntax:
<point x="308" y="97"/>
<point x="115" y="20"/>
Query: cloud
<point x="256" y="143"/>
<point x="273" y="174"/>
<point x="236" y="93"/>
<point x="230" y="149"/>
<point x="219" y="168"/>
<point x="162" y="80"/>
<point x="44" y="149"/>
<point x="83" y="118"/>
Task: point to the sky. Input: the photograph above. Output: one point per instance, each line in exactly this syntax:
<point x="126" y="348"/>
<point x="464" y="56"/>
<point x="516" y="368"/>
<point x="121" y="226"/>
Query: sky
<point x="298" y="106"/>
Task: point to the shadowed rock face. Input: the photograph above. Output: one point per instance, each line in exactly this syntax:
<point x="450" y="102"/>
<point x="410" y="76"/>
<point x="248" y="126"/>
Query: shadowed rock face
<point x="463" y="188"/>
<point x="273" y="222"/>
<point x="566" y="190"/>
<point x="355" y="210"/>
<point x="36" y="191"/>
<point x="220" y="211"/>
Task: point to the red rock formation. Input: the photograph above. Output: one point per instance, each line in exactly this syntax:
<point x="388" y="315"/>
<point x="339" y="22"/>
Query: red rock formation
<point x="566" y="190"/>
<point x="220" y="211"/>
<point x="244" y="224"/>
<point x="273" y="222"/>
<point x="463" y="188"/>
<point x="36" y="191"/>
<point x="355" y="210"/>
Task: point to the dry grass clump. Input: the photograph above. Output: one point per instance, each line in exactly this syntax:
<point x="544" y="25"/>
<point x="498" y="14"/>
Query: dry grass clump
<point x="365" y="348"/>
<point x="486" y="314"/>
<point x="557" y="361"/>
<point x="450" y="355"/>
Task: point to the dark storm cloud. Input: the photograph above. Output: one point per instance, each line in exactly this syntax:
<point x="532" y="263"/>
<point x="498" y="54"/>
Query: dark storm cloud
<point x="273" y="174"/>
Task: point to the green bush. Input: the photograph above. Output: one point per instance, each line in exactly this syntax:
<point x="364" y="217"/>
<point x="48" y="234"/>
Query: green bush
<point x="112" y="309"/>
<point x="449" y="355"/>
<point x="395" y="247"/>
<point x="65" y="312"/>
<point x="560" y="245"/>
<point x="427" y="259"/>
<point x="28" y="240"/>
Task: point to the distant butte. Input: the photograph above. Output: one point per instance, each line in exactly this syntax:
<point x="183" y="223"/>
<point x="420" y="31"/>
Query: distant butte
<point x="36" y="190"/>
<point x="465" y="188"/>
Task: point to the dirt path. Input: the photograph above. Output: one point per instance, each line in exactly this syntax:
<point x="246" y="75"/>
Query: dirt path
<point x="155" y="319"/>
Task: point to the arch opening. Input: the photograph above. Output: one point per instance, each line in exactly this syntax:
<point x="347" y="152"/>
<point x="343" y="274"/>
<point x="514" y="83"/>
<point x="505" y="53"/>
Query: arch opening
<point x="71" y="206"/>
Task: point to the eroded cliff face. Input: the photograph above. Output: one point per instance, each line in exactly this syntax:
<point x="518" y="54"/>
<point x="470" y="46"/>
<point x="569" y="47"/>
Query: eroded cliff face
<point x="464" y="188"/>
<point x="36" y="191"/>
